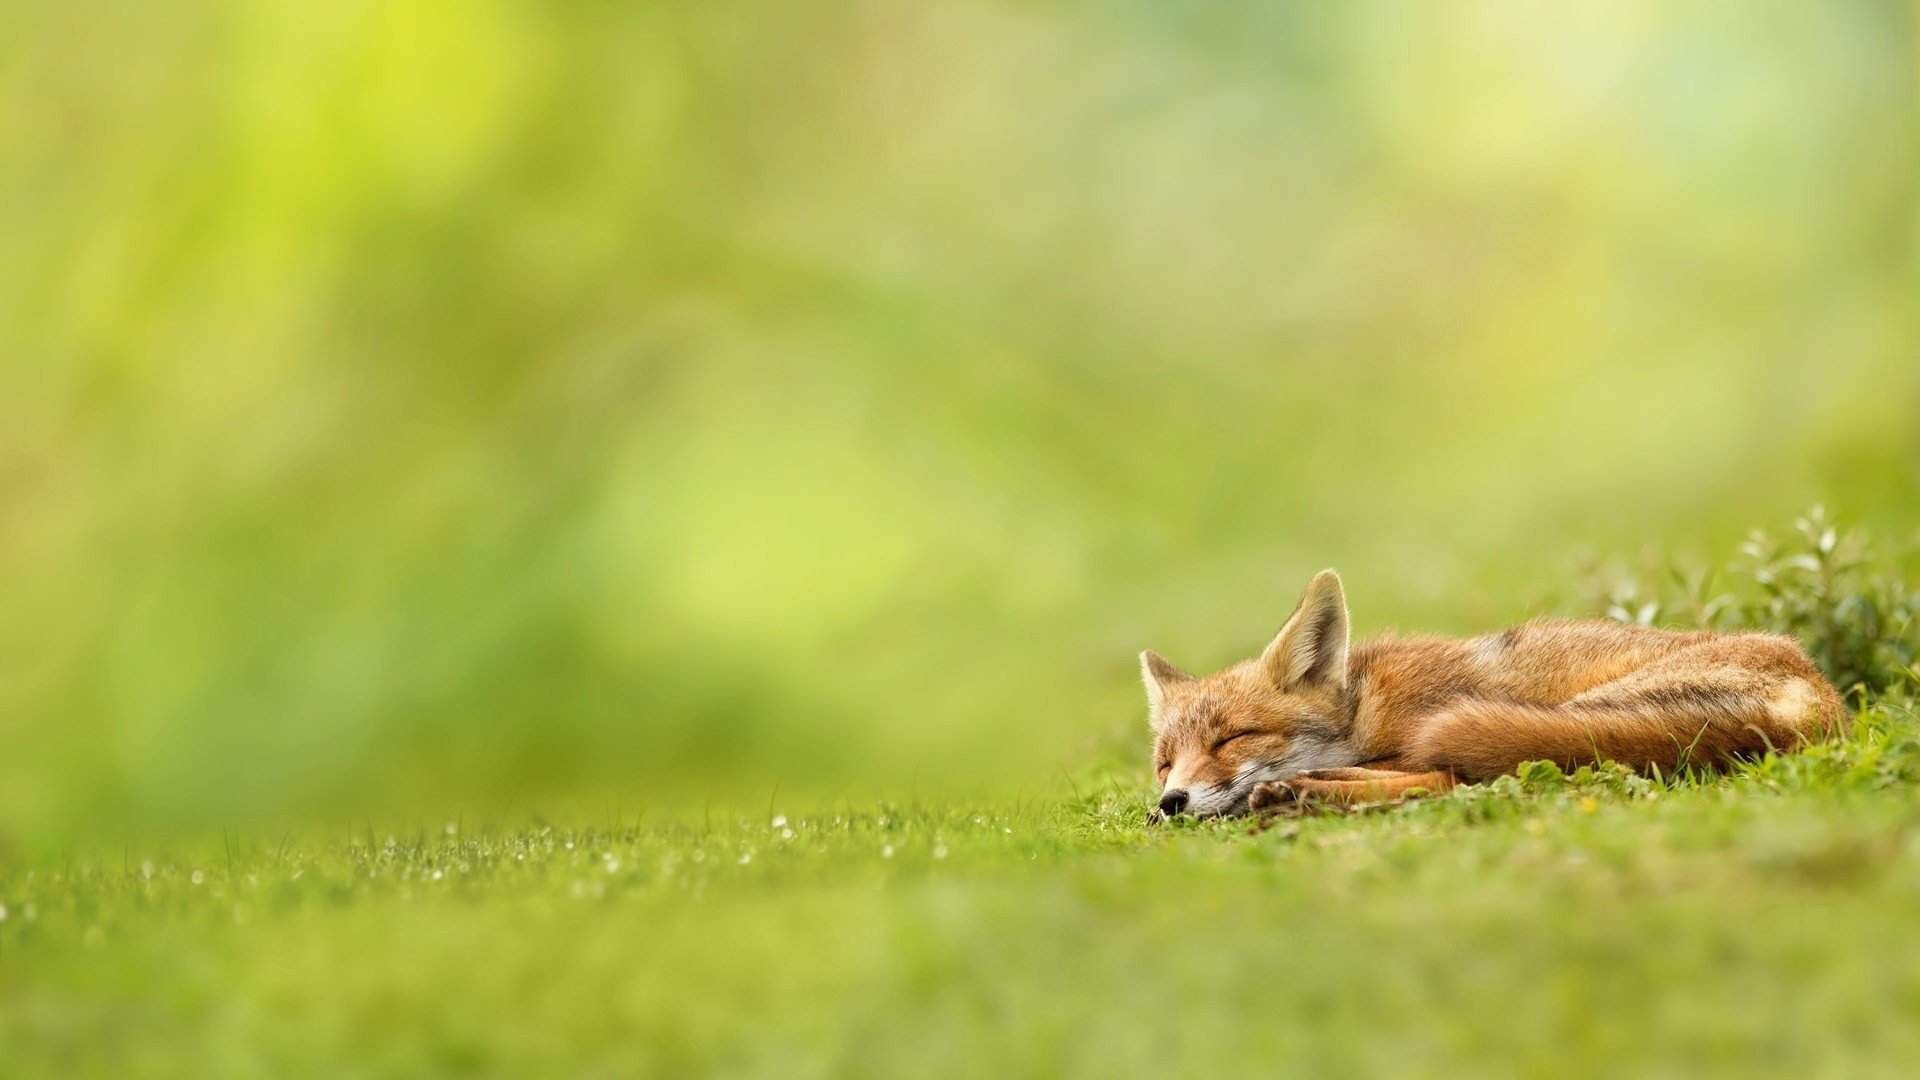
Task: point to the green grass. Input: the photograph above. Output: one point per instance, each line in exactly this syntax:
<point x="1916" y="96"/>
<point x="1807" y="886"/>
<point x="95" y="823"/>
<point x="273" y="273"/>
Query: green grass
<point x="1755" y="922"/>
<point x="1546" y="924"/>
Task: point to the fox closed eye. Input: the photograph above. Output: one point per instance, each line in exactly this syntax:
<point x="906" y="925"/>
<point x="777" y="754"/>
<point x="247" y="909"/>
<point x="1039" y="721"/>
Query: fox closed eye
<point x="1231" y="738"/>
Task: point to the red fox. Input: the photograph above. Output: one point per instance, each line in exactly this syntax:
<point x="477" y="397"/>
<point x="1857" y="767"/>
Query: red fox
<point x="1312" y="719"/>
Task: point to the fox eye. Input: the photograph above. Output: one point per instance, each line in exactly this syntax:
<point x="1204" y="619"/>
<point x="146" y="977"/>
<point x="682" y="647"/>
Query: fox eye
<point x="1230" y="738"/>
<point x="1160" y="769"/>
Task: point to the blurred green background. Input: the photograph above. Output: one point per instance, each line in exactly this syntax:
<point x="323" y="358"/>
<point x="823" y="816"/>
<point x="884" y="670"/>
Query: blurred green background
<point x="448" y="404"/>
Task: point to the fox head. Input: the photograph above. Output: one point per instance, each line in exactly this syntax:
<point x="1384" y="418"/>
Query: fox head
<point x="1285" y="712"/>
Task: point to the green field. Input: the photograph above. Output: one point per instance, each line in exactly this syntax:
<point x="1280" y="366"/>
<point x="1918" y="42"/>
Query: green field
<point x="1593" y="926"/>
<point x="469" y="469"/>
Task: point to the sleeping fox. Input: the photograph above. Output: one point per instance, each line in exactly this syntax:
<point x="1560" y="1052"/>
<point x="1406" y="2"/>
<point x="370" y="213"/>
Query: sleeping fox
<point x="1312" y="719"/>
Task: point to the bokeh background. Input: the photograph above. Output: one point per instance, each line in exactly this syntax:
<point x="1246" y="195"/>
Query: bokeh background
<point x="485" y="404"/>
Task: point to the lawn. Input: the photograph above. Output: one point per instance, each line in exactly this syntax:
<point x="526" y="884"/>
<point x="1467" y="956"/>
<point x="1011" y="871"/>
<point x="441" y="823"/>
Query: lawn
<point x="1687" y="922"/>
<point x="1587" y="925"/>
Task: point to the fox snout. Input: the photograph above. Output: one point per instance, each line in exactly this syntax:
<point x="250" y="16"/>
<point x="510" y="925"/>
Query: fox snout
<point x="1204" y="800"/>
<point x="1197" y="797"/>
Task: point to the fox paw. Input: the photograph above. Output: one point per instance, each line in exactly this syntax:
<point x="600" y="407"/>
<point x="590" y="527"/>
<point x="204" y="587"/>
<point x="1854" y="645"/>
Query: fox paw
<point x="1270" y="797"/>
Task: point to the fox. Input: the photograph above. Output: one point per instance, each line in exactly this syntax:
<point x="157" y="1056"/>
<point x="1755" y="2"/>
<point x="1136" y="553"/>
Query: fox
<point x="1316" y="720"/>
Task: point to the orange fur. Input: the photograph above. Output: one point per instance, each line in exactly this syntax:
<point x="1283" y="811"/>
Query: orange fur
<point x="1400" y="715"/>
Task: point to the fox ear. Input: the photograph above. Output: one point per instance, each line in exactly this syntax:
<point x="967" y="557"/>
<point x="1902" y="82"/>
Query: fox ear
<point x="1312" y="647"/>
<point x="1160" y="677"/>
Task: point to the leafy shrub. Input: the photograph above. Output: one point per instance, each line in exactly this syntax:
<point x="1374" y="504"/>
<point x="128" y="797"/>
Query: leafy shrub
<point x="1847" y="602"/>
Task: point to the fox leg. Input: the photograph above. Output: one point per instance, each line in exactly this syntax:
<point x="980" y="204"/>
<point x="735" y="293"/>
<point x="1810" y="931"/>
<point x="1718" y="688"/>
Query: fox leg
<point x="1350" y="786"/>
<point x="1704" y="706"/>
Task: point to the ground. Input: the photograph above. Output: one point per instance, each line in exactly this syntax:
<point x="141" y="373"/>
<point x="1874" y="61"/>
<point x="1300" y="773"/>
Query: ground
<point x="1760" y="923"/>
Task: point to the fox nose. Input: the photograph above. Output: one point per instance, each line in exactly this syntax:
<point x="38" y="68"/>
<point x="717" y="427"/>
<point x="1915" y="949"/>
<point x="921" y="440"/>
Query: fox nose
<point x="1173" y="802"/>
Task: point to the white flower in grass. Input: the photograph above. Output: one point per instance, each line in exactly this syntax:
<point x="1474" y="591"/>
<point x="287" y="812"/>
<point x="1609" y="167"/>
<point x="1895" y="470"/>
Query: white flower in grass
<point x="887" y="852"/>
<point x="779" y="821"/>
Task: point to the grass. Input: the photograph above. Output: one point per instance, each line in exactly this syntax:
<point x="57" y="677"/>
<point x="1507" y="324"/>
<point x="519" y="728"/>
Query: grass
<point x="1753" y="923"/>
<point x="1580" y="924"/>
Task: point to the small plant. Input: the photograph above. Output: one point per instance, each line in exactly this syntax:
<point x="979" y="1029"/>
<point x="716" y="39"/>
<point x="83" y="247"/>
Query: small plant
<point x="1846" y="602"/>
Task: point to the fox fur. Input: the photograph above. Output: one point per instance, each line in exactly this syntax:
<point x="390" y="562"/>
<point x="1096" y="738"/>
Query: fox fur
<point x="1312" y="718"/>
